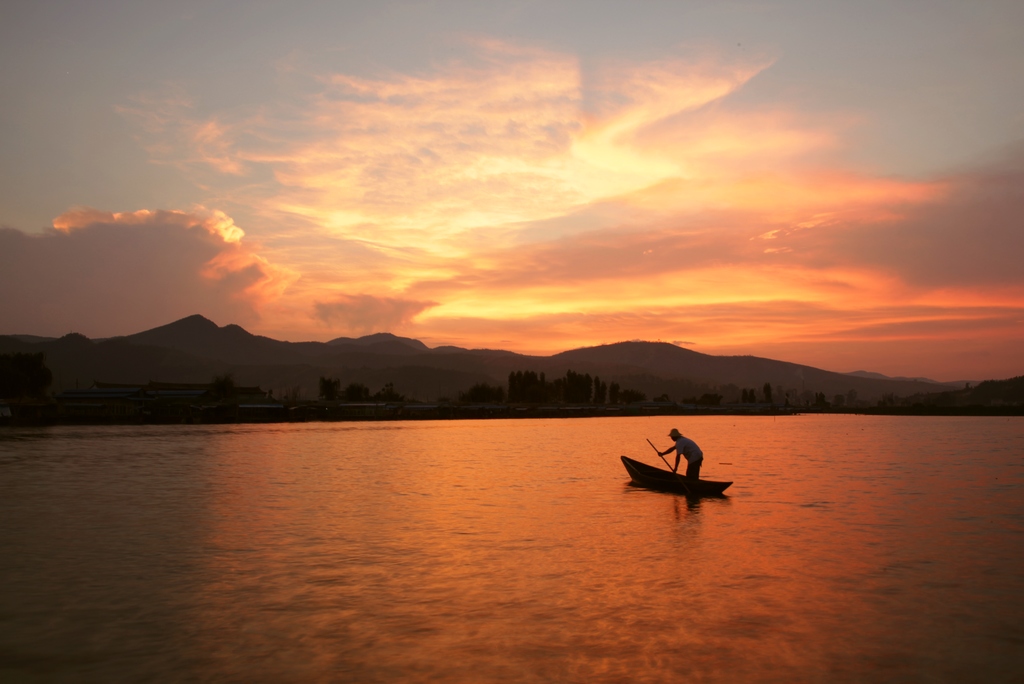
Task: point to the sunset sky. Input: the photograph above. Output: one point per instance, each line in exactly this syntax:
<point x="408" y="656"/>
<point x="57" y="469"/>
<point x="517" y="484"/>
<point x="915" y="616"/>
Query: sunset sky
<point x="831" y="183"/>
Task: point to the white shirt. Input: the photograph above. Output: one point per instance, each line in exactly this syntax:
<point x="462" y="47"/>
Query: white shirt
<point x="688" y="448"/>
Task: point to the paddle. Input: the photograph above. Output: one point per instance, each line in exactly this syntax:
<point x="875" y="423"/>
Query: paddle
<point x="686" y="489"/>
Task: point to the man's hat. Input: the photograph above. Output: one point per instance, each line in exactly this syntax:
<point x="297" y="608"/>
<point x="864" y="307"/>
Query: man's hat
<point x="675" y="434"/>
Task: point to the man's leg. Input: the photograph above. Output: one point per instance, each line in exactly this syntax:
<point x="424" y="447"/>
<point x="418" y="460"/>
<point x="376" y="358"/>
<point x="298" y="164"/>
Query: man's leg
<point x="693" y="469"/>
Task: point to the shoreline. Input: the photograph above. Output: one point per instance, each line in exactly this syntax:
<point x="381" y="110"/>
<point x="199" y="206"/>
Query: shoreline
<point x="26" y="414"/>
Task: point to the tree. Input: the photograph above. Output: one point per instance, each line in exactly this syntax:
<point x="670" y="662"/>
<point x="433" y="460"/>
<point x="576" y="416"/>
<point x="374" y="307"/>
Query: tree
<point x="329" y="388"/>
<point x="600" y="390"/>
<point x="223" y="386"/>
<point x="577" y="388"/>
<point x="483" y="393"/>
<point x="527" y="386"/>
<point x="357" y="391"/>
<point x="709" y="399"/>
<point x="628" y="396"/>
<point x="24" y="375"/>
<point x="613" y="393"/>
<point x="388" y="393"/>
<point x="768" y="392"/>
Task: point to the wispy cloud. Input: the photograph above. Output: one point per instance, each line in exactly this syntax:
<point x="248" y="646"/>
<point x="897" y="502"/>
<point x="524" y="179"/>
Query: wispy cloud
<point x="506" y="136"/>
<point x="364" y="314"/>
<point x="514" y="197"/>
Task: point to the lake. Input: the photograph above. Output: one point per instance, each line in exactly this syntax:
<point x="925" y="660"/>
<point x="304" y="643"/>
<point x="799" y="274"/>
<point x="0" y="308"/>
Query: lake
<point x="849" y="549"/>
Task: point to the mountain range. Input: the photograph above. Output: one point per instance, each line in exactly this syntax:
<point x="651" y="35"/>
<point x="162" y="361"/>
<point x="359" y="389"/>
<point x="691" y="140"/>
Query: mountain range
<point x="195" y="349"/>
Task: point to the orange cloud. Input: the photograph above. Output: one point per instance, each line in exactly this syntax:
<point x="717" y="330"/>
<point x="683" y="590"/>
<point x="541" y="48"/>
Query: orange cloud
<point x="508" y="136"/>
<point x="514" y="198"/>
<point x="363" y="314"/>
<point x="215" y="222"/>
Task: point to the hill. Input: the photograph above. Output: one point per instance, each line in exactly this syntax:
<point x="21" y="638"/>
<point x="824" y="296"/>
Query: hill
<point x="194" y="349"/>
<point x="741" y="371"/>
<point x="988" y="393"/>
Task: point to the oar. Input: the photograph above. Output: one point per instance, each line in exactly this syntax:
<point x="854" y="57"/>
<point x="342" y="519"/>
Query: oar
<point x="686" y="488"/>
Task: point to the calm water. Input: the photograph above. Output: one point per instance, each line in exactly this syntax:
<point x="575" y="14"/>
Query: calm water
<point x="850" y="548"/>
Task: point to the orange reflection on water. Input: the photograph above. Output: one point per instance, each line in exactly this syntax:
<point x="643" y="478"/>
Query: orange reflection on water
<point x="849" y="548"/>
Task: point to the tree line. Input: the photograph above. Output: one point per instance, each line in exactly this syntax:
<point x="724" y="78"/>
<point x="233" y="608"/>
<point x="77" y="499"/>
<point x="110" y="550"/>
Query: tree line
<point x="330" y="390"/>
<point x="523" y="387"/>
<point x="24" y="376"/>
<point x="529" y="387"/>
<point x="791" y="397"/>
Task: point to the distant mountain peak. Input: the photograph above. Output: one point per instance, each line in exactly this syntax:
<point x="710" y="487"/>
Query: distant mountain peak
<point x="74" y="338"/>
<point x="193" y="323"/>
<point x="879" y="376"/>
<point x="234" y="328"/>
<point x="378" y="339"/>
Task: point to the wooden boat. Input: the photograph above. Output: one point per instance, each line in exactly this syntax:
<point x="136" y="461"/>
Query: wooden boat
<point x="650" y="477"/>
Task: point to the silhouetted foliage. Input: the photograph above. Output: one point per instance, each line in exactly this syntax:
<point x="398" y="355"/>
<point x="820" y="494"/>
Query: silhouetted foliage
<point x="357" y="392"/>
<point x="987" y="393"/>
<point x="663" y="397"/>
<point x="628" y="396"/>
<point x="577" y="388"/>
<point x="23" y="375"/>
<point x="768" y="392"/>
<point x="388" y="393"/>
<point x="527" y="386"/>
<point x="709" y="399"/>
<point x="329" y="388"/>
<point x="482" y="393"/>
<point x="1009" y="391"/>
<point x="820" y="400"/>
<point x="572" y="388"/>
<point x="223" y="386"/>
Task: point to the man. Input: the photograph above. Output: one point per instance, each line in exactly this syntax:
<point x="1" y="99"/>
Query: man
<point x="688" y="448"/>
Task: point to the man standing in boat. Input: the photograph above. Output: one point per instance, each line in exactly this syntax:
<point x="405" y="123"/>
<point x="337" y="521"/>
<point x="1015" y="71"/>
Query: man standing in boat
<point x="688" y="448"/>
